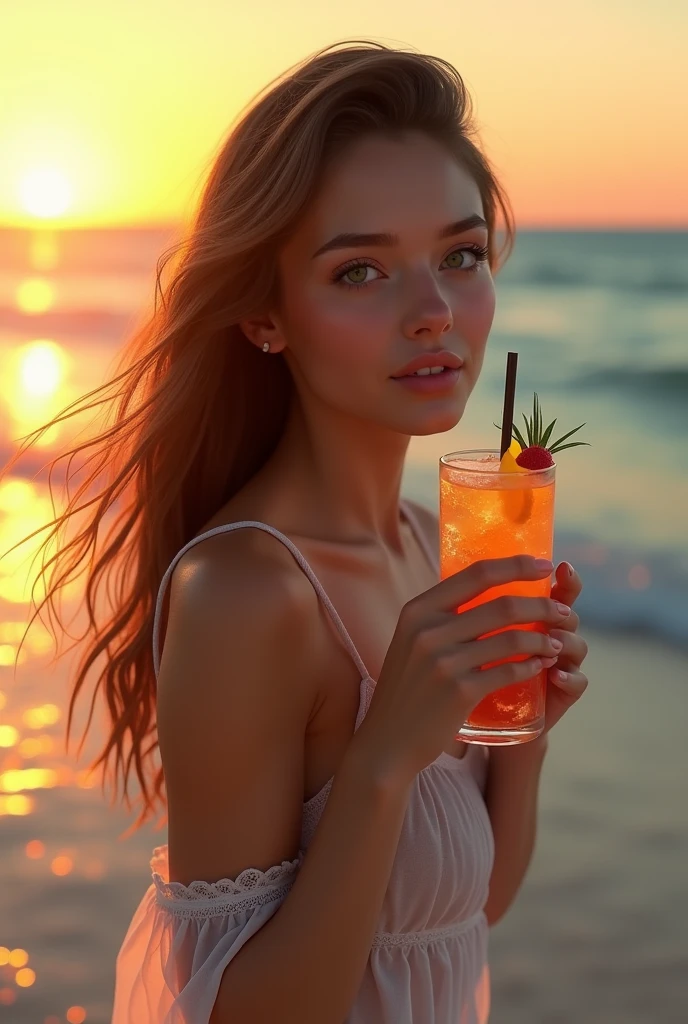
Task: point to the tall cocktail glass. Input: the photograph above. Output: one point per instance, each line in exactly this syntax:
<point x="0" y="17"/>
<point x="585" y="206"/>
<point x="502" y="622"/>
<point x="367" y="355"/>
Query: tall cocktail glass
<point x="488" y="513"/>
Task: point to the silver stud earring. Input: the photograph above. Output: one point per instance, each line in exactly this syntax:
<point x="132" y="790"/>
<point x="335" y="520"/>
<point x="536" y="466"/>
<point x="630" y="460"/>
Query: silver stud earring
<point x="266" y="346"/>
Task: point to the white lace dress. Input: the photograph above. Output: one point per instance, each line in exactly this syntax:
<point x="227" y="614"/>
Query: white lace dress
<point x="428" y="961"/>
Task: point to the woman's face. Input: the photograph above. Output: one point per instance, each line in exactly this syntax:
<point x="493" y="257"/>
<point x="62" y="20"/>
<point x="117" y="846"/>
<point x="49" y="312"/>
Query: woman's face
<point x="352" y="317"/>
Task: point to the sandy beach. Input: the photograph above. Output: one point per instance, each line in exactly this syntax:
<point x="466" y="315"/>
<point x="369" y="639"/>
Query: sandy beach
<point x="598" y="933"/>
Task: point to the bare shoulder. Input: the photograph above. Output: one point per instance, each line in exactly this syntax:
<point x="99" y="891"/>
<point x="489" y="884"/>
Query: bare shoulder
<point x="239" y="594"/>
<point x="236" y="688"/>
<point x="247" y="563"/>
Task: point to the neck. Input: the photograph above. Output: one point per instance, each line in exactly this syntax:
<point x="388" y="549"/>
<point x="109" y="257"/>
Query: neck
<point x="339" y="476"/>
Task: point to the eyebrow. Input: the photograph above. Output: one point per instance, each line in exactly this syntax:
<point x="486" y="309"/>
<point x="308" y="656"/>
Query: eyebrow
<point x="349" y="240"/>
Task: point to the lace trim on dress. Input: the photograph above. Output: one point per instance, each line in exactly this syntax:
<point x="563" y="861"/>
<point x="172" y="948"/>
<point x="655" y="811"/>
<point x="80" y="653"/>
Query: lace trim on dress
<point x="251" y="888"/>
<point x="424" y="938"/>
<point x="230" y="905"/>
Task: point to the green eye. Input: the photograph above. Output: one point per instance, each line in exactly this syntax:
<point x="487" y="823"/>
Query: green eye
<point x="459" y="253"/>
<point x="361" y="271"/>
<point x="342" y="275"/>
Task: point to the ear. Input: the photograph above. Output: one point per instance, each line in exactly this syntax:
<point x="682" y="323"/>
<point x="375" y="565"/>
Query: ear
<point x="259" y="329"/>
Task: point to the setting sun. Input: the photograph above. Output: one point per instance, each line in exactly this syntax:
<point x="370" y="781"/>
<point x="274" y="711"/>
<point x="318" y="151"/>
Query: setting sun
<point x="45" y="192"/>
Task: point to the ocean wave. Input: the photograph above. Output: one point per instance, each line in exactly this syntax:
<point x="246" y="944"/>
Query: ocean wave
<point x="558" y="275"/>
<point x="665" y="381"/>
<point x="638" y="591"/>
<point x="663" y="616"/>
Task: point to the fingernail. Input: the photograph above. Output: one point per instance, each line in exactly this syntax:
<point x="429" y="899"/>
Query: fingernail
<point x="544" y="565"/>
<point x="561" y="676"/>
<point x="563" y="609"/>
<point x="569" y="568"/>
<point x="548" y="662"/>
<point x="556" y="644"/>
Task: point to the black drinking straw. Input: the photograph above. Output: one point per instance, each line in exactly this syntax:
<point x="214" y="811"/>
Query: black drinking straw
<point x="509" y="394"/>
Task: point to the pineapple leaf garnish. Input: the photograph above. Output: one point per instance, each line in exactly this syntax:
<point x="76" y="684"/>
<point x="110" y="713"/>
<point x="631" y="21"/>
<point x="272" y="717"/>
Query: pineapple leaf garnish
<point x="576" y="444"/>
<point x="557" y="443"/>
<point x="539" y="437"/>
<point x="519" y="437"/>
<point x="547" y="433"/>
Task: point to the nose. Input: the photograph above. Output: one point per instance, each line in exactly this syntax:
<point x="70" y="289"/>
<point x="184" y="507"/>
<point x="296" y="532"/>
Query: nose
<point x="431" y="316"/>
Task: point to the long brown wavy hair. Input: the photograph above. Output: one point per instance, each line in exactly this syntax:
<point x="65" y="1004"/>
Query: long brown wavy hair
<point x="193" y="409"/>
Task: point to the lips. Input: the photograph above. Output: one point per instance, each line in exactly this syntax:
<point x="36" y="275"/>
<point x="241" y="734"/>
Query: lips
<point x="429" y="359"/>
<point x="429" y="383"/>
<point x="426" y="371"/>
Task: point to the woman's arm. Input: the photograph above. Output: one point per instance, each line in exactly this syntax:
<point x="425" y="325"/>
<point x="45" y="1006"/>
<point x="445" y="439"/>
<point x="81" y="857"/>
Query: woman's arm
<point x="511" y="793"/>
<point x="306" y="964"/>
<point x="236" y="688"/>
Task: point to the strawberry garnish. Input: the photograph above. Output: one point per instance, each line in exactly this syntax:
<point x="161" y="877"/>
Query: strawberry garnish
<point x="535" y="457"/>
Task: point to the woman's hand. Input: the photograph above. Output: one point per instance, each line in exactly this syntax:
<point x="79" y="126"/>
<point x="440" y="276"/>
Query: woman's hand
<point x="435" y="673"/>
<point x="565" y="681"/>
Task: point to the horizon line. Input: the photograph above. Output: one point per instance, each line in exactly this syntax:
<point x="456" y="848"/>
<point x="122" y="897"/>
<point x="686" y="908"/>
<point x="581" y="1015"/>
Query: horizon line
<point x="173" y="225"/>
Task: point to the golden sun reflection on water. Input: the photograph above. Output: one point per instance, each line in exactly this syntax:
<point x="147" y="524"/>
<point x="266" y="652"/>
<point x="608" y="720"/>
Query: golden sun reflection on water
<point x="33" y="387"/>
<point x="8" y="736"/>
<point x="25" y="508"/>
<point x="18" y="779"/>
<point x="7" y="654"/>
<point x="34" y="746"/>
<point x="32" y="712"/>
<point x="61" y="865"/>
<point x="33" y="762"/>
<point x="35" y="295"/>
<point x="36" y="718"/>
<point x="17" y="804"/>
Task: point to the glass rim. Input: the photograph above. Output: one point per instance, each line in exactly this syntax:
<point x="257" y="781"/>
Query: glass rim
<point x="444" y="461"/>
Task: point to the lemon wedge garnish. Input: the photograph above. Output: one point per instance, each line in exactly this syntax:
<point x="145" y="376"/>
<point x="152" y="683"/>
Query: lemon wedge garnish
<point x="508" y="462"/>
<point x="517" y="505"/>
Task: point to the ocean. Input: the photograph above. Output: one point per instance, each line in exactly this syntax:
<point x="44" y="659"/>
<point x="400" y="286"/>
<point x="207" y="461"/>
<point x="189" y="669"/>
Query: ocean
<point x="600" y="322"/>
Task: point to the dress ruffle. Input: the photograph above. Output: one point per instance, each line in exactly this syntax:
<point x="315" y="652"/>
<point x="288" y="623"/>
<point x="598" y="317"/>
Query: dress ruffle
<point x="181" y="939"/>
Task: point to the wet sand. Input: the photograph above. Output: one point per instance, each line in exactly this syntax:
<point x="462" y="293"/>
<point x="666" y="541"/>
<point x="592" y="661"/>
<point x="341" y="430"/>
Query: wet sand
<point x="599" y="931"/>
<point x="597" y="934"/>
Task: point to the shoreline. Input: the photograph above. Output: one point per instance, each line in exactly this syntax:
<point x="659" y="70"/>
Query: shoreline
<point x="596" y="933"/>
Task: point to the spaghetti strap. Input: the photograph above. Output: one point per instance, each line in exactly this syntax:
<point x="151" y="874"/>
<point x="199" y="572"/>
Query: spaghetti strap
<point x="226" y="528"/>
<point x="320" y="590"/>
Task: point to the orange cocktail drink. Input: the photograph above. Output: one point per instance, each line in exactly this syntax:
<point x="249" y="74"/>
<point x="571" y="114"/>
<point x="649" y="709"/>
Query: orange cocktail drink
<point x="485" y="513"/>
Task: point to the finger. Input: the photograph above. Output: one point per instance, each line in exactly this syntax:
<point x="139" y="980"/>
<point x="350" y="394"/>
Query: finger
<point x="574" y="684"/>
<point x="569" y="624"/>
<point x="511" y="643"/>
<point x="574" y="648"/>
<point x="485" y="574"/>
<point x="501" y="612"/>
<point x="483" y="681"/>
<point x="568" y="584"/>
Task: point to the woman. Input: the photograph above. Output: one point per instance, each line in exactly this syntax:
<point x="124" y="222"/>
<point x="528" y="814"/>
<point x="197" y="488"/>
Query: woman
<point x="334" y="853"/>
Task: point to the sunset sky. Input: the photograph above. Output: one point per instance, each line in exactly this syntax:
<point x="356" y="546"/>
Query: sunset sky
<point x="111" y="112"/>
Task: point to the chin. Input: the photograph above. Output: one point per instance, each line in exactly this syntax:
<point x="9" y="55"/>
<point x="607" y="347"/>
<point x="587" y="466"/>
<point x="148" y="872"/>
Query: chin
<point x="438" y="423"/>
<point x="432" y="421"/>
